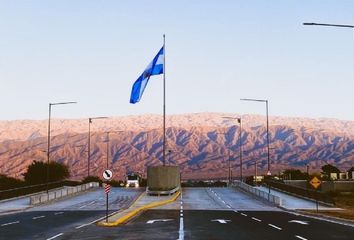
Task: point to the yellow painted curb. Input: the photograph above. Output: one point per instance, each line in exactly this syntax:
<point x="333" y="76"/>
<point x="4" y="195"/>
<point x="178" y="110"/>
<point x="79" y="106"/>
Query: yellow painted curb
<point x="138" y="210"/>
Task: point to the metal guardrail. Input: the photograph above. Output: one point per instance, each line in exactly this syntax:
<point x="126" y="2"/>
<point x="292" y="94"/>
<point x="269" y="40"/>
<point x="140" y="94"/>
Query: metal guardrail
<point x="302" y="192"/>
<point x="167" y="192"/>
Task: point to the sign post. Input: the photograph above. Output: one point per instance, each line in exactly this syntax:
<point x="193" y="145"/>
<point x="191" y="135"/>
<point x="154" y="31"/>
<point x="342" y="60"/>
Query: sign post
<point x="107" y="174"/>
<point x="315" y="182"/>
<point x="107" y="190"/>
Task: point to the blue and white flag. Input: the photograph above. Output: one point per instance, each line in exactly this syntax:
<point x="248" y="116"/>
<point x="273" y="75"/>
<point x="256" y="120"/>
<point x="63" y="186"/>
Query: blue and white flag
<point x="154" y="68"/>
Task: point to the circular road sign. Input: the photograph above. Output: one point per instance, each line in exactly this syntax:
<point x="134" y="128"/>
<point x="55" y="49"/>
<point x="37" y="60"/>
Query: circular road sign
<point x="107" y="174"/>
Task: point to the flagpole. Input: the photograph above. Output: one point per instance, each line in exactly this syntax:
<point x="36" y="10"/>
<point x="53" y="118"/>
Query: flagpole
<point x="164" y="103"/>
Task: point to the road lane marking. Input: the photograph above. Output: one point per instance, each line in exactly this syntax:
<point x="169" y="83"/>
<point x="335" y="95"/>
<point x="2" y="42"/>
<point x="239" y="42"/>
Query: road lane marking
<point x="299" y="237"/>
<point x="256" y="219"/>
<point x="58" y="235"/>
<point x="158" y="220"/>
<point x="58" y="213"/>
<point x="181" y="225"/>
<point x="276" y="227"/>
<point x="223" y="221"/>
<point x="228" y="206"/>
<point x="299" y="222"/>
<point x="87" y="204"/>
<point x="244" y="214"/>
<point x="34" y="218"/>
<point x="10" y="223"/>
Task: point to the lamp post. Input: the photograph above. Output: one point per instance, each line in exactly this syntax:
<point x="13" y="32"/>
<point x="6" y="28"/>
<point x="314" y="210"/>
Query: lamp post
<point x="89" y="143"/>
<point x="48" y="147"/>
<point x="266" y="102"/>
<point x="239" y="120"/>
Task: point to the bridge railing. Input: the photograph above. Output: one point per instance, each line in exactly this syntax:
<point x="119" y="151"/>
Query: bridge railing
<point x="301" y="192"/>
<point x="259" y="193"/>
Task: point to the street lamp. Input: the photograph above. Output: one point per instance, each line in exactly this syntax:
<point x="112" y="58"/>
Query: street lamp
<point x="48" y="148"/>
<point x="266" y="102"/>
<point x="89" y="143"/>
<point x="240" y="140"/>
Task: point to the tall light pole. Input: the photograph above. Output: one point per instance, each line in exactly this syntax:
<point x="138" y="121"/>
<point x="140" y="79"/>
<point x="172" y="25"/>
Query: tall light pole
<point x="239" y="120"/>
<point x="108" y="139"/>
<point x="48" y="147"/>
<point x="89" y="143"/>
<point x="266" y="102"/>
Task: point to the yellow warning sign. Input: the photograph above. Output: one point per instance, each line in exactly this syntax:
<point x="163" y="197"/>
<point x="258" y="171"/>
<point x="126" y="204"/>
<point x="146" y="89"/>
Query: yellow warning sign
<point x="315" y="182"/>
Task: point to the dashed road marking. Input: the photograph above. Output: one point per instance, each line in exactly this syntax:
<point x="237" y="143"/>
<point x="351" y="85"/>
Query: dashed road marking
<point x="228" y="206"/>
<point x="38" y="217"/>
<point x="299" y="237"/>
<point x="58" y="213"/>
<point x="181" y="225"/>
<point x="244" y="214"/>
<point x="256" y="219"/>
<point x="276" y="227"/>
<point x="10" y="223"/>
<point x="58" y="235"/>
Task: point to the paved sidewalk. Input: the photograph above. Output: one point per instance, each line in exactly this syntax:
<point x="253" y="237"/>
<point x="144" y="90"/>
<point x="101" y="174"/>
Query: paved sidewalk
<point x="291" y="202"/>
<point x="13" y="205"/>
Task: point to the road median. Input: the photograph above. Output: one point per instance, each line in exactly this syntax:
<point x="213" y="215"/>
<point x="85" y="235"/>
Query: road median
<point x="143" y="203"/>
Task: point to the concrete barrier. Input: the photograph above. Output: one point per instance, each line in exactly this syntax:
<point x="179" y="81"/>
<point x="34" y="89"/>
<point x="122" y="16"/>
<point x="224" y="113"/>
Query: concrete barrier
<point x="259" y="193"/>
<point x="60" y="193"/>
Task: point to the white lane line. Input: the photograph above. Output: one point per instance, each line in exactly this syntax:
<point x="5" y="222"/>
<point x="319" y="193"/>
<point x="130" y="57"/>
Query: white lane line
<point x="223" y="201"/>
<point x="256" y="219"/>
<point x="228" y="206"/>
<point x="34" y="218"/>
<point x="299" y="237"/>
<point x="181" y="225"/>
<point x="236" y="211"/>
<point x="244" y="214"/>
<point x="58" y="235"/>
<point x="273" y="226"/>
<point x="10" y="223"/>
<point x="58" y="213"/>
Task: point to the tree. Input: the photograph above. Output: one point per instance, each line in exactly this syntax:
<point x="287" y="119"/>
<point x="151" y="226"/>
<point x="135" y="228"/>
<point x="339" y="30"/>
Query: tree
<point x="295" y="174"/>
<point x="9" y="182"/>
<point x="37" y="172"/>
<point x="328" y="169"/>
<point x="350" y="172"/>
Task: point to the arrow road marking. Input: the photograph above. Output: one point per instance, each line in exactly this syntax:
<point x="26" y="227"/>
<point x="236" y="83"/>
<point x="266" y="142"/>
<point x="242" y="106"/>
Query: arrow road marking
<point x="224" y="221"/>
<point x="299" y="222"/>
<point x="158" y="220"/>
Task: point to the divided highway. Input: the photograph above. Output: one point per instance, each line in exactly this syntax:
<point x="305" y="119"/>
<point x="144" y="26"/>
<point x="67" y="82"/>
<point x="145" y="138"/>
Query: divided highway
<point x="199" y="213"/>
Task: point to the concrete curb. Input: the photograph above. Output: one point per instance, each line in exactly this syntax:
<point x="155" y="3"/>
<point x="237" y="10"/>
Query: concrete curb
<point x="134" y="212"/>
<point x="342" y="221"/>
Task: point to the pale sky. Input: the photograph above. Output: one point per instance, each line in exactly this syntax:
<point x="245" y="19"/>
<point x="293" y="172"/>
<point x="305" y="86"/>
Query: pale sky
<point x="217" y="52"/>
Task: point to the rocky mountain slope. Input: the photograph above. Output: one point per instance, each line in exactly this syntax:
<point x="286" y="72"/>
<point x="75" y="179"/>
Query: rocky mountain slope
<point x="199" y="143"/>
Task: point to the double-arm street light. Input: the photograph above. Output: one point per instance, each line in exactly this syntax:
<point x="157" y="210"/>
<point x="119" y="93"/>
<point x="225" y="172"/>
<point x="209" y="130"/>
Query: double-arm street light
<point x="266" y="102"/>
<point x="48" y="148"/>
<point x="89" y="143"/>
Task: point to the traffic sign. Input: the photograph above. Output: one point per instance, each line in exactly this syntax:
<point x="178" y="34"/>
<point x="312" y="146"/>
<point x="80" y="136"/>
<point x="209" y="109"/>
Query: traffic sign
<point x="107" y="174"/>
<point x="315" y="182"/>
<point x="107" y="188"/>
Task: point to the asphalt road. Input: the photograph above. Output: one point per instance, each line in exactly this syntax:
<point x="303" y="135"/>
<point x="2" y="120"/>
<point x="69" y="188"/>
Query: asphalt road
<point x="47" y="221"/>
<point x="199" y="224"/>
<point x="200" y="213"/>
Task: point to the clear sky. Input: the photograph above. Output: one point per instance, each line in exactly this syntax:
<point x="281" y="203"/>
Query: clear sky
<point x="217" y="52"/>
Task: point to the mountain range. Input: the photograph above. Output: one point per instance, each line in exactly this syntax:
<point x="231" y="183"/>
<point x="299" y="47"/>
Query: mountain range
<point x="202" y="144"/>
